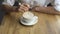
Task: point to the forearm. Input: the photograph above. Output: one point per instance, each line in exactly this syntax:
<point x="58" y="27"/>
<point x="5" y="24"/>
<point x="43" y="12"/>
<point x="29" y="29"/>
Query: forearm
<point x="48" y="10"/>
<point x="8" y="8"/>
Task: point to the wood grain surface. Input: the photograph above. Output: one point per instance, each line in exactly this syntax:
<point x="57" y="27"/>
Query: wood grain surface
<point x="47" y="24"/>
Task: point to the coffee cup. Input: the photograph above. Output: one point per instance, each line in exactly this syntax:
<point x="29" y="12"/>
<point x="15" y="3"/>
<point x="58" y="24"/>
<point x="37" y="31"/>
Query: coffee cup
<point x="28" y="18"/>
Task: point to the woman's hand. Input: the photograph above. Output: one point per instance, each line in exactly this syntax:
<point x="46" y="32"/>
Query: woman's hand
<point x="24" y="7"/>
<point x="47" y="10"/>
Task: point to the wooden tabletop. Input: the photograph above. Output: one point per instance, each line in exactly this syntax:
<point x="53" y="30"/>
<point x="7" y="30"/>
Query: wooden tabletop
<point x="47" y="24"/>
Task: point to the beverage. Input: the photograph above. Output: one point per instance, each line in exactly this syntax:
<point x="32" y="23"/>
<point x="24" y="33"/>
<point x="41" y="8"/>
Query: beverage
<point x="28" y="18"/>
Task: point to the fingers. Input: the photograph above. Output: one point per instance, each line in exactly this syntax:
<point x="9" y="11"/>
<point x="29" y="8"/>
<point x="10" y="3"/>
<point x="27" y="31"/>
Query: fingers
<point x="24" y="7"/>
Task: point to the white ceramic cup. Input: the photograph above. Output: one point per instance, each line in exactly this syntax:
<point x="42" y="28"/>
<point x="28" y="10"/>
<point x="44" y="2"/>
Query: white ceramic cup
<point x="27" y="16"/>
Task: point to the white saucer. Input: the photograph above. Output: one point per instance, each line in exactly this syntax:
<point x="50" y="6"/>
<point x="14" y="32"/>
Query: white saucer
<point x="33" y="22"/>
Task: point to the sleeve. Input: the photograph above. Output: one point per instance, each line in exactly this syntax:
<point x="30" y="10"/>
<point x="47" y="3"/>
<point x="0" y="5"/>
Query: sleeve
<point x="2" y="13"/>
<point x="16" y="3"/>
<point x="1" y="2"/>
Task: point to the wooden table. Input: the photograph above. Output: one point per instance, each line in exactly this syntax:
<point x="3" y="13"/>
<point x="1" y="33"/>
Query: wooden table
<point x="47" y="24"/>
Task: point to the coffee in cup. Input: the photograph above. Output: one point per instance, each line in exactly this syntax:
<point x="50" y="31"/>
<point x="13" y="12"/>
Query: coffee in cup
<point x="28" y="18"/>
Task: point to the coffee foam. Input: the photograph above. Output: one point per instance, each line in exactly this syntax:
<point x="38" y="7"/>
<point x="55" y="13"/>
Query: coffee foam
<point x="28" y="15"/>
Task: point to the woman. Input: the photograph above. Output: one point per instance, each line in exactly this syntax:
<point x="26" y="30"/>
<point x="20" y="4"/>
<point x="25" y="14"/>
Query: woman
<point x="7" y="6"/>
<point x="38" y="5"/>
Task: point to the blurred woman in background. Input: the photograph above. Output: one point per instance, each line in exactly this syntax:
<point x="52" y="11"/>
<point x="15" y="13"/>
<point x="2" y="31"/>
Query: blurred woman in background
<point x="43" y="6"/>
